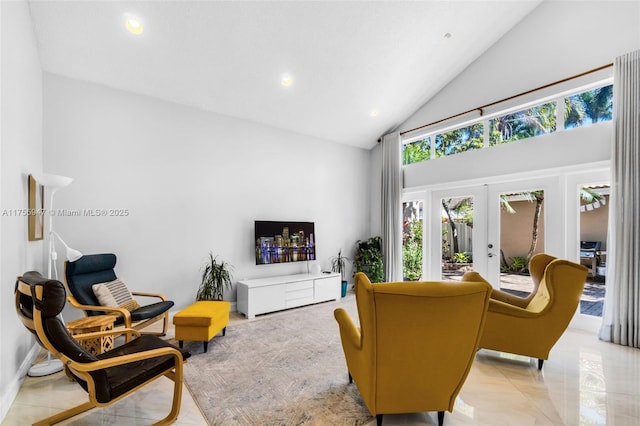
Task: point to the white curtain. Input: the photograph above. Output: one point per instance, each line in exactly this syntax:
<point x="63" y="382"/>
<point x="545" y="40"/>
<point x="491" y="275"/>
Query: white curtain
<point x="391" y="207"/>
<point x="621" y="319"/>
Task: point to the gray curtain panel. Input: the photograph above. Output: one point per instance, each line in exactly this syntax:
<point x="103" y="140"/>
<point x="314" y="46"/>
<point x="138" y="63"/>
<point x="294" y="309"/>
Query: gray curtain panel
<point x="621" y="318"/>
<point x="391" y="207"/>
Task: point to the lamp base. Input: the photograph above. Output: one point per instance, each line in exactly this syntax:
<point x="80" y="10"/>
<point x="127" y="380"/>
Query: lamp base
<point x="45" y="368"/>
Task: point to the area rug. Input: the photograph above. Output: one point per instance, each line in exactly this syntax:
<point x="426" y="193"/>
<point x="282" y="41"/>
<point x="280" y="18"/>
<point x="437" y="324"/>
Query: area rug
<point x="284" y="368"/>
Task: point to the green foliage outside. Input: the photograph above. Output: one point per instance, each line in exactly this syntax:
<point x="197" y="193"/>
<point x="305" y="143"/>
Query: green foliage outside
<point x="581" y="109"/>
<point x="535" y="121"/>
<point x="459" y="212"/>
<point x="462" y="258"/>
<point x="460" y="140"/>
<point x="589" y="107"/>
<point x="368" y="259"/>
<point x="412" y="250"/>
<point x="417" y="151"/>
<point x="518" y="264"/>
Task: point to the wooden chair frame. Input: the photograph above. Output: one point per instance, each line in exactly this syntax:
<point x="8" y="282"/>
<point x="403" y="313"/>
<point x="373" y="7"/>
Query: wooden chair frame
<point x="126" y="315"/>
<point x="128" y="322"/>
<point x="83" y="370"/>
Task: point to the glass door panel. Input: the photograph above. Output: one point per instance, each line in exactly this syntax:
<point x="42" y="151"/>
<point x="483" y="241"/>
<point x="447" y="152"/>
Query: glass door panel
<point x="458" y="232"/>
<point x="412" y="240"/>
<point x="521" y="236"/>
<point x="457" y="236"/>
<point x="594" y="223"/>
<point x="524" y="218"/>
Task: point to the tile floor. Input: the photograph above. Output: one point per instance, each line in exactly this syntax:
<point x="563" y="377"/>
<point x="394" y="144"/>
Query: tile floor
<point x="585" y="382"/>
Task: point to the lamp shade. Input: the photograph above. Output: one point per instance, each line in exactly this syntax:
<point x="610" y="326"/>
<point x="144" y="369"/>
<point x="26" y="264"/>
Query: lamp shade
<point x="73" y="254"/>
<point x="52" y="181"/>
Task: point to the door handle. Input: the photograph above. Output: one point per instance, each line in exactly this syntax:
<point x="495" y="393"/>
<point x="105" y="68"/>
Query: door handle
<point x="490" y="254"/>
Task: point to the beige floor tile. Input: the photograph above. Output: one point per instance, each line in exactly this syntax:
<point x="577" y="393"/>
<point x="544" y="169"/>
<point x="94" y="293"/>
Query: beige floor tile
<point x="584" y="382"/>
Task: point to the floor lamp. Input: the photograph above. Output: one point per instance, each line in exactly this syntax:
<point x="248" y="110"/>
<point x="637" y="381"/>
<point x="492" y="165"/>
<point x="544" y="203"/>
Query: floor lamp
<point x="52" y="183"/>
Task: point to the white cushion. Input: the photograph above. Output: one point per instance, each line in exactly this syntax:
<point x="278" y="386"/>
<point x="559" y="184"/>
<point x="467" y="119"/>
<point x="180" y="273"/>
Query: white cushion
<point x="115" y="294"/>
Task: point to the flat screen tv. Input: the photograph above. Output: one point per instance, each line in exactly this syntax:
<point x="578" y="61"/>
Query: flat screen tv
<point x="283" y="242"/>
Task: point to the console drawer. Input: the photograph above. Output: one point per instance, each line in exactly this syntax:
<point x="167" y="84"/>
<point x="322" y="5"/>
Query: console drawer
<point x="298" y="294"/>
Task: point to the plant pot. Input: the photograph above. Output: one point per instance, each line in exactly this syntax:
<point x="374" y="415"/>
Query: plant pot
<point x="344" y="288"/>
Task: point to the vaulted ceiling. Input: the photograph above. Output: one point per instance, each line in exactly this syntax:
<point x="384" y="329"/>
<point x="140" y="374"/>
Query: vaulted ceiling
<point x="357" y="68"/>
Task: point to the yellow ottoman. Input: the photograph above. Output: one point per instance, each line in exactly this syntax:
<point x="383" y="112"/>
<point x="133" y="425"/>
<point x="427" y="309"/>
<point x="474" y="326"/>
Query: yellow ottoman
<point x="201" y="321"/>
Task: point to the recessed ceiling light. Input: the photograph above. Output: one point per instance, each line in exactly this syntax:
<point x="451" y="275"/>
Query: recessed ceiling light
<point x="286" y="80"/>
<point x="374" y="113"/>
<point x="134" y="25"/>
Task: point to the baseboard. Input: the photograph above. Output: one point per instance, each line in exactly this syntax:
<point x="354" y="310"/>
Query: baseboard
<point x="11" y="392"/>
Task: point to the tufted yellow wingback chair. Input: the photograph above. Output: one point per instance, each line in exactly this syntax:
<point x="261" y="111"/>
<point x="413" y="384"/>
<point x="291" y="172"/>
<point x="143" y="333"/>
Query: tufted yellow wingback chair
<point x="415" y="344"/>
<point x="537" y="265"/>
<point x="533" y="329"/>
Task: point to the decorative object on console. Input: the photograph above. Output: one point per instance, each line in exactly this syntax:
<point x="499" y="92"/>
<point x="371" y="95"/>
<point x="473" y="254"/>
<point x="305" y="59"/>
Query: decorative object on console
<point x="339" y="264"/>
<point x="283" y="242"/>
<point x="216" y="276"/>
<point x="369" y="259"/>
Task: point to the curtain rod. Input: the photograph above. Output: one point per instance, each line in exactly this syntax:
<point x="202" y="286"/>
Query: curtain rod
<point x="481" y="108"/>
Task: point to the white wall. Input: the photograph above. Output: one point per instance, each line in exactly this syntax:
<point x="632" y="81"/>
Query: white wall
<point x="20" y="155"/>
<point x="557" y="40"/>
<point x="192" y="182"/>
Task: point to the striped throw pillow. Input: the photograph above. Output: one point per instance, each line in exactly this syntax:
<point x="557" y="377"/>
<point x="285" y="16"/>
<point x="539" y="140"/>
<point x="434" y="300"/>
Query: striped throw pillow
<point x="115" y="294"/>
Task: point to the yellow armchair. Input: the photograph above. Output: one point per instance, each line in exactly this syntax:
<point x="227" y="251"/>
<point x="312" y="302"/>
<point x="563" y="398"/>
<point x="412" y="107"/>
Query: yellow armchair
<point x="415" y="343"/>
<point x="537" y="265"/>
<point x="533" y="329"/>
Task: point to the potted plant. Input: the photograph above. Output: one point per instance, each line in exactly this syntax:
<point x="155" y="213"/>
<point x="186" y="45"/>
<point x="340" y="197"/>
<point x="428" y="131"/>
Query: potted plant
<point x="339" y="264"/>
<point x="216" y="276"/>
<point x="369" y="259"/>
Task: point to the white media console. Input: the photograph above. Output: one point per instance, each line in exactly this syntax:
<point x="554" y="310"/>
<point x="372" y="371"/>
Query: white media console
<point x="262" y="295"/>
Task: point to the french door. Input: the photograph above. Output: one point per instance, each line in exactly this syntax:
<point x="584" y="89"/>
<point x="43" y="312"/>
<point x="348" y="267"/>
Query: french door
<point x="497" y="225"/>
<point x="480" y="235"/>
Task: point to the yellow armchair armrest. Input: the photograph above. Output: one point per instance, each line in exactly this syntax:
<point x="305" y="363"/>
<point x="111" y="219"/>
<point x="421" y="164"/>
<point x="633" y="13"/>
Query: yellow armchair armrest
<point x="509" y="298"/>
<point x="496" y="306"/>
<point x="348" y="329"/>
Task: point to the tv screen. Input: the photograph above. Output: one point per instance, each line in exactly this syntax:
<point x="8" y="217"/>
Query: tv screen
<point x="283" y="242"/>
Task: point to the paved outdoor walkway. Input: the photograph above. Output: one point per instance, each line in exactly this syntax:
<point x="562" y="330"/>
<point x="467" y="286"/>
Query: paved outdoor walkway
<point x="520" y="285"/>
<point x="592" y="295"/>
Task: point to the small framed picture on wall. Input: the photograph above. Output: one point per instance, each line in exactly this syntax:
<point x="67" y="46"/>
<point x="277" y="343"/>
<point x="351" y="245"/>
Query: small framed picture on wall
<point x="35" y="213"/>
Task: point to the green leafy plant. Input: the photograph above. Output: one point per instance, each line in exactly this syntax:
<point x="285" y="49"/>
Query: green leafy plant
<point x="216" y="276"/>
<point x="339" y="264"/>
<point x="518" y="264"/>
<point x="412" y="250"/>
<point x="461" y="258"/>
<point x="368" y="259"/>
